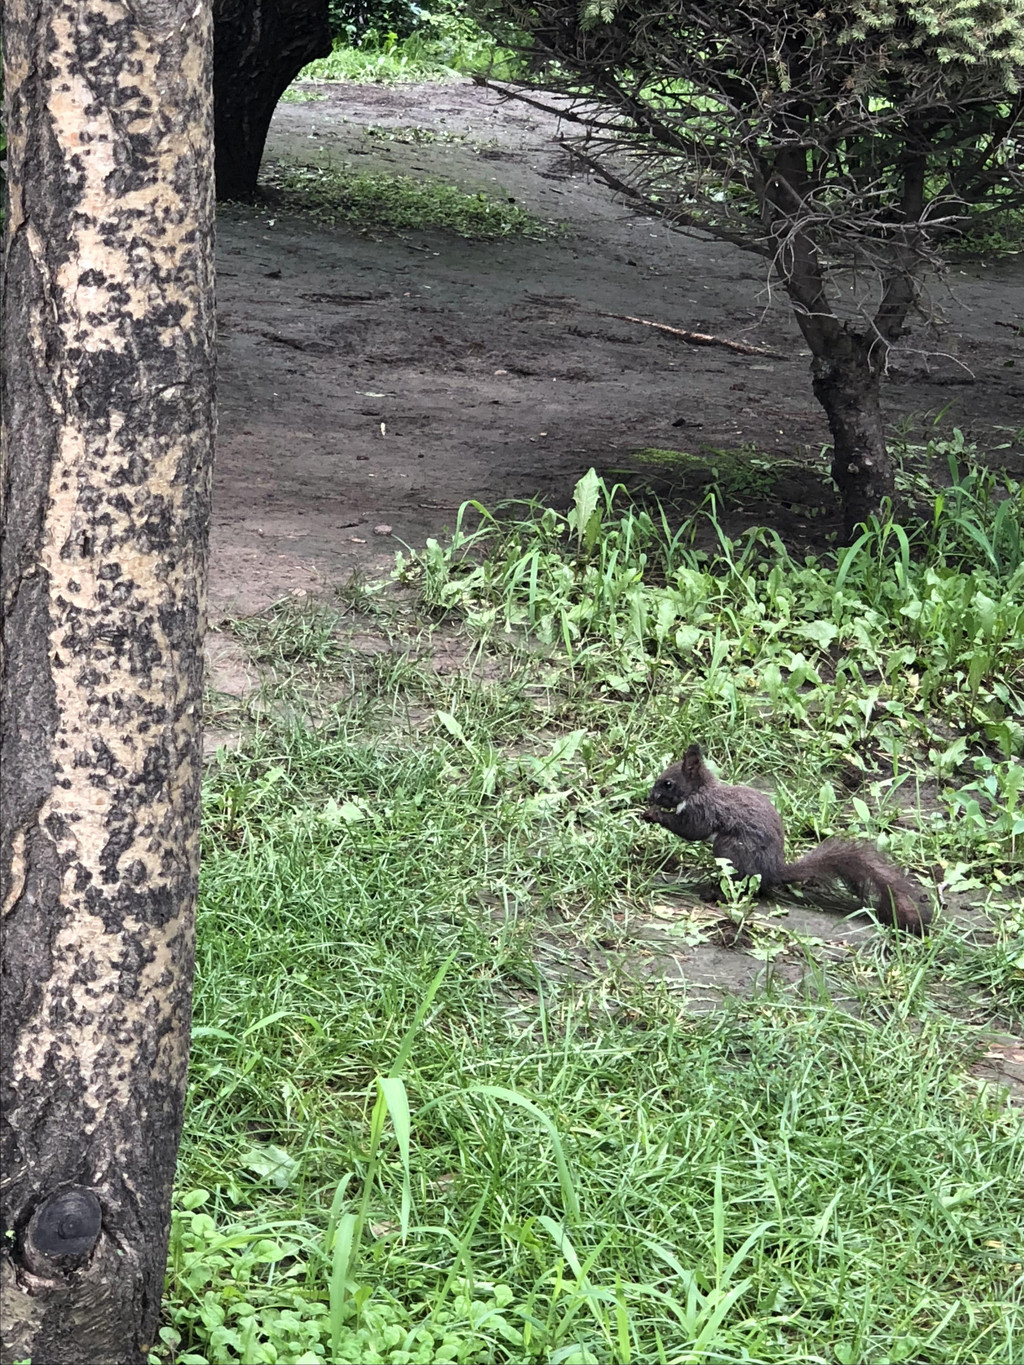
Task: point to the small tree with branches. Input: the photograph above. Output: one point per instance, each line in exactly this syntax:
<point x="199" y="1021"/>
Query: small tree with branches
<point x="841" y="143"/>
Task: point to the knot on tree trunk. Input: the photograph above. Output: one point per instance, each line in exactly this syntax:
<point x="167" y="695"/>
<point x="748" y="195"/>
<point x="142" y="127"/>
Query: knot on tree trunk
<point x="62" y="1231"/>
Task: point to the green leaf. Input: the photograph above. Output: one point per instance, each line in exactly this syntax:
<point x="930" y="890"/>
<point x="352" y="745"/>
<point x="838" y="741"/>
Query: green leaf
<point x="272" y="1164"/>
<point x="343" y="813"/>
<point x="821" y="633"/>
<point x="393" y="1092"/>
<point x="453" y="727"/>
<point x="341" y="1286"/>
<point x="585" y="500"/>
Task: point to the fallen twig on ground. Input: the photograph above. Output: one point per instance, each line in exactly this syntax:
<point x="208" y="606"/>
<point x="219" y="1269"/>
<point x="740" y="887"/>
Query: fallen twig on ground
<point x="696" y="338"/>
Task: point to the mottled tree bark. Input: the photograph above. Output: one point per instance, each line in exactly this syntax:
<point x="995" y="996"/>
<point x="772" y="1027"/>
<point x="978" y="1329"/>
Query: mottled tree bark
<point x="848" y="387"/>
<point x="106" y="450"/>
<point x="260" y="46"/>
<point x="847" y="361"/>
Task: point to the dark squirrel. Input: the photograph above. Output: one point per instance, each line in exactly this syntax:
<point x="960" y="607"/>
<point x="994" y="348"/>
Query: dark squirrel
<point x="745" y="828"/>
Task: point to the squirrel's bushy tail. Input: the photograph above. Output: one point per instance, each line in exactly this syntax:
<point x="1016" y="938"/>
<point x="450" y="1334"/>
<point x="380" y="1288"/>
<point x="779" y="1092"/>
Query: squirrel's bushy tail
<point x="896" y="899"/>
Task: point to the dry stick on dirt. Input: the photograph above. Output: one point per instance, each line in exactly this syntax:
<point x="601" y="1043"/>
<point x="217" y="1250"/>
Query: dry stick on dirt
<point x="696" y="338"/>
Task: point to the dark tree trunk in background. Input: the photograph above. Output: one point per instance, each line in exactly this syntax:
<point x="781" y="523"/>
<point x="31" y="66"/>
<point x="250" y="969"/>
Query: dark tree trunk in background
<point x="105" y="462"/>
<point x="847" y="364"/>
<point x="259" y="47"/>
<point x="848" y="387"/>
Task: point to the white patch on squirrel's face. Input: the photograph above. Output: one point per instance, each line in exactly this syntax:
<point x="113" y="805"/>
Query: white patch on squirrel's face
<point x="682" y="805"/>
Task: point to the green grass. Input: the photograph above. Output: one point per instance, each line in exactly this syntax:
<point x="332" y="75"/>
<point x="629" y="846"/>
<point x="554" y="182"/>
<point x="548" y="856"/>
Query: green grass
<point x="439" y="1107"/>
<point x="378" y="202"/>
<point x="303" y="94"/>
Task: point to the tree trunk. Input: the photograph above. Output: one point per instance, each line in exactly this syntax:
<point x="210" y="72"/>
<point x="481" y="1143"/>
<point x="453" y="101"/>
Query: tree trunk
<point x="260" y="46"/>
<point x="847" y="385"/>
<point x="105" y="462"/>
<point x="847" y="367"/>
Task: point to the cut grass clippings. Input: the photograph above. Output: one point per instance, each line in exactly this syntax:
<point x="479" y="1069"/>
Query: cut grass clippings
<point x="378" y="202"/>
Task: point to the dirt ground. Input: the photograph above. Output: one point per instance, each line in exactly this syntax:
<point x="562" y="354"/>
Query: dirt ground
<point x="372" y="383"/>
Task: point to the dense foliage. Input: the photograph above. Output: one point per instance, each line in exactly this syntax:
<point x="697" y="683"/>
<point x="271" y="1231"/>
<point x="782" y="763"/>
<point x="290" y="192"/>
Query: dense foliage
<point x="874" y="121"/>
<point x="351" y="20"/>
<point x="374" y="23"/>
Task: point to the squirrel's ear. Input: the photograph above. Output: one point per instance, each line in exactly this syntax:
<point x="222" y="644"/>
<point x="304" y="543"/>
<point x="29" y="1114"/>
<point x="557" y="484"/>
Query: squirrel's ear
<point x="693" y="758"/>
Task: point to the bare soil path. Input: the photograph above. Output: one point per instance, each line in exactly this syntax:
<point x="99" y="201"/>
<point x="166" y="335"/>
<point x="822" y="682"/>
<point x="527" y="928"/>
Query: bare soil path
<point x="370" y="383"/>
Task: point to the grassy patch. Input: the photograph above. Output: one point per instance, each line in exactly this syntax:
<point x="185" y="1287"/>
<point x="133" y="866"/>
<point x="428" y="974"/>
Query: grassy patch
<point x="303" y="94"/>
<point x="399" y="203"/>
<point x="740" y="475"/>
<point x="440" y="53"/>
<point x="442" y="1108"/>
